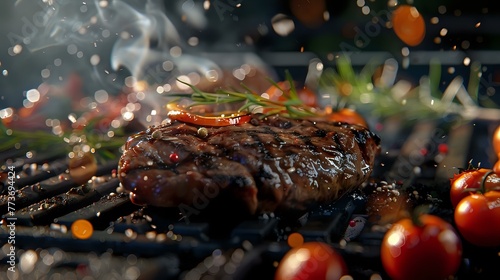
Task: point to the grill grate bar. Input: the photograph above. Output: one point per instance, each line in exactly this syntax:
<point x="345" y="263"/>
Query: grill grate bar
<point x="56" y="167"/>
<point x="46" y="211"/>
<point x="254" y="230"/>
<point x="103" y="212"/>
<point x="167" y="247"/>
<point x="46" y="184"/>
<point x="99" y="242"/>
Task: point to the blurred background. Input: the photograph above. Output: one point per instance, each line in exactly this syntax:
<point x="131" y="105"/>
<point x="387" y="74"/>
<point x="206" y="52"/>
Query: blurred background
<point x="77" y="78"/>
<point x="90" y="48"/>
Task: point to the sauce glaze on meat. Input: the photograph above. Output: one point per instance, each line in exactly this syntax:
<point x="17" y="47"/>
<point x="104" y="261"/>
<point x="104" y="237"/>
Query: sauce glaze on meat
<point x="268" y="164"/>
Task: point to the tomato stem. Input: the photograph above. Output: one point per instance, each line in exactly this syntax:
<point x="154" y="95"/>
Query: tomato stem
<point x="419" y="211"/>
<point x="483" y="181"/>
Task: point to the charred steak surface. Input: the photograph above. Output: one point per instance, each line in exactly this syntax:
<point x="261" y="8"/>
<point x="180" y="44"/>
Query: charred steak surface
<point x="267" y="164"/>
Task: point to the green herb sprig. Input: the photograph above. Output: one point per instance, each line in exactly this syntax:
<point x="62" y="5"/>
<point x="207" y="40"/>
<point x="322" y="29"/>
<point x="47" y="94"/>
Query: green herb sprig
<point x="105" y="148"/>
<point x="423" y="101"/>
<point x="249" y="100"/>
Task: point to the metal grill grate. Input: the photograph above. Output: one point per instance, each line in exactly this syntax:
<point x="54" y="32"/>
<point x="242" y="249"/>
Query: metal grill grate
<point x="132" y="242"/>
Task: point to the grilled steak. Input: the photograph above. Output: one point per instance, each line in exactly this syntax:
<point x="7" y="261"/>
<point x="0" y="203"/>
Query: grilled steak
<point x="267" y="164"/>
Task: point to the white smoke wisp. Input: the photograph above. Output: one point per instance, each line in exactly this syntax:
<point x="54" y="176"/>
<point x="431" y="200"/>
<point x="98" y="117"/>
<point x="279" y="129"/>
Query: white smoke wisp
<point x="112" y="35"/>
<point x="134" y="47"/>
<point x="146" y="39"/>
<point x="134" y="34"/>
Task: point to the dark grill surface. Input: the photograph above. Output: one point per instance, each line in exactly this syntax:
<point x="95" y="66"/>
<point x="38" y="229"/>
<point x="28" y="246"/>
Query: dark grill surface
<point x="132" y="242"/>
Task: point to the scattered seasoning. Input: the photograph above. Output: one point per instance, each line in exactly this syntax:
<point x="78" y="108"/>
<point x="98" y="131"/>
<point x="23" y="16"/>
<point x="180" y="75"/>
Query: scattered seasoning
<point x="202" y="132"/>
<point x="36" y="188"/>
<point x="156" y="134"/>
<point x="254" y="122"/>
<point x="86" y="188"/>
<point x="174" y="157"/>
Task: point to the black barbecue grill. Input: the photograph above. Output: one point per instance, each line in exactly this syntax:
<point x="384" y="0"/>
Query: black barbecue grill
<point x="54" y="40"/>
<point x="133" y="242"/>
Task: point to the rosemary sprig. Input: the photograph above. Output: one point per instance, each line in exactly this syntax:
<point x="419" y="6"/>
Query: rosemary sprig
<point x="292" y="106"/>
<point x="105" y="148"/>
<point x="423" y="101"/>
<point x="10" y="138"/>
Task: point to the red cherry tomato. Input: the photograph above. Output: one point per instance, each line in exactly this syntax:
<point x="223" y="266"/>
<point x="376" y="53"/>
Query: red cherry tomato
<point x="233" y="119"/>
<point x="496" y="141"/>
<point x="496" y="167"/>
<point x="470" y="180"/>
<point x="408" y="24"/>
<point x="477" y="218"/>
<point x="311" y="261"/>
<point x="307" y="96"/>
<point x="310" y="13"/>
<point x="347" y="115"/>
<point x="277" y="93"/>
<point x="282" y="93"/>
<point x="496" y="147"/>
<point x="431" y="250"/>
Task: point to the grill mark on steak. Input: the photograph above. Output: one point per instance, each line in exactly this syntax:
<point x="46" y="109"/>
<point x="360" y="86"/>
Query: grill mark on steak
<point x="269" y="164"/>
<point x="259" y="142"/>
<point x="321" y="133"/>
<point x="307" y="142"/>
